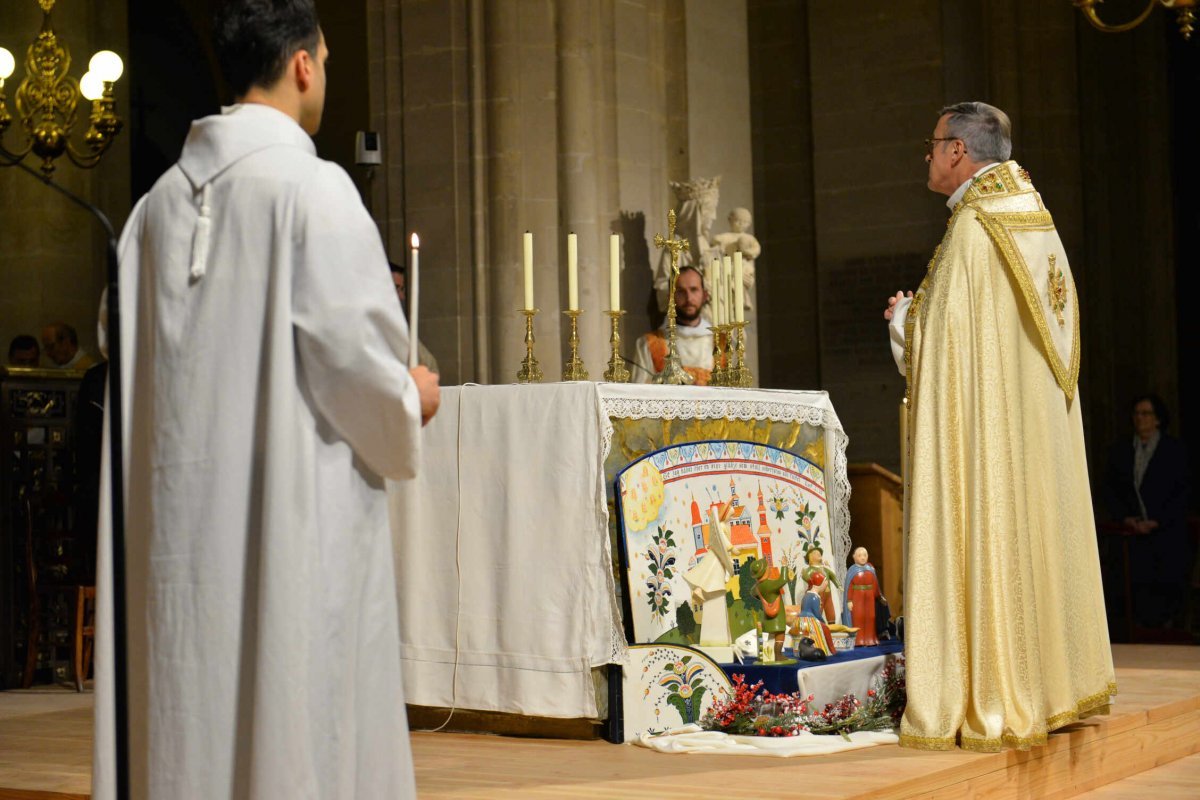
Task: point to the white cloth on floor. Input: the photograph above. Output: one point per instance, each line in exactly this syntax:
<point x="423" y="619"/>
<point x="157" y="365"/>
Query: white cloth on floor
<point x="692" y="739"/>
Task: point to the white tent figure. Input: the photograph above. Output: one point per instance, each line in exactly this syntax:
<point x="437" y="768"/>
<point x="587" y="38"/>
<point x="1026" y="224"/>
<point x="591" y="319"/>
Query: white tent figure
<point x="708" y="579"/>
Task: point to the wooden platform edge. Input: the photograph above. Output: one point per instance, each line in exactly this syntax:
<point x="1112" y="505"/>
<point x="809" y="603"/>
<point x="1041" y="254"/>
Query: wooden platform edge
<point x="423" y="719"/>
<point x="1077" y="760"/>
<point x="34" y="794"/>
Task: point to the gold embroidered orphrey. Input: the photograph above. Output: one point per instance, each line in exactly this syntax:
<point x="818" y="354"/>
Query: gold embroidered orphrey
<point x="1057" y="289"/>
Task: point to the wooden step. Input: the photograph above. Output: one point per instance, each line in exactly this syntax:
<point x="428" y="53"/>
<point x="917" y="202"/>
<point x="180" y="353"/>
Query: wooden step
<point x="45" y="754"/>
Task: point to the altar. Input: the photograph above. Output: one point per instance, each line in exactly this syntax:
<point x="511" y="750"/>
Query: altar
<point x="504" y="543"/>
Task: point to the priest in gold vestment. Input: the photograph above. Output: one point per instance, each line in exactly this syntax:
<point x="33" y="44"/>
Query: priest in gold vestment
<point x="1006" y="637"/>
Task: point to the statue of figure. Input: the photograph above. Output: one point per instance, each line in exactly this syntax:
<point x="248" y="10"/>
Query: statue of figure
<point x="708" y="579"/>
<point x="738" y="237"/>
<point x="697" y="200"/>
<point x="769" y="588"/>
<point x="811" y="622"/>
<point x="858" y="604"/>
<point x="816" y="565"/>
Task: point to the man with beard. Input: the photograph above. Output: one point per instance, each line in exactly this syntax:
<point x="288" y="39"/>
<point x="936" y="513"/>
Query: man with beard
<point x="693" y="334"/>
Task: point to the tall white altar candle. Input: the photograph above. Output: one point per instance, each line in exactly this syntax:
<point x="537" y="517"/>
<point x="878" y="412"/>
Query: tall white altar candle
<point x="572" y="272"/>
<point x="527" y="247"/>
<point x="414" y="293"/>
<point x="738" y="309"/>
<point x="614" y="272"/>
<point x="714" y="289"/>
<point x="727" y="287"/>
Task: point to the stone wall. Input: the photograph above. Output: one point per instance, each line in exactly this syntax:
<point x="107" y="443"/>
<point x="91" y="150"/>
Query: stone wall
<point x="843" y="97"/>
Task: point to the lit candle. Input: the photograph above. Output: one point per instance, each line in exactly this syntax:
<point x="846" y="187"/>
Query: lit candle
<point x="414" y="291"/>
<point x="528" y="262"/>
<point x="614" y="272"/>
<point x="738" y="310"/>
<point x="572" y="272"/>
<point x="714" y="288"/>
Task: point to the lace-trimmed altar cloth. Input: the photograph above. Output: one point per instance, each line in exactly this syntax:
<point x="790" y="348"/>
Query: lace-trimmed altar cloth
<point x="502" y="547"/>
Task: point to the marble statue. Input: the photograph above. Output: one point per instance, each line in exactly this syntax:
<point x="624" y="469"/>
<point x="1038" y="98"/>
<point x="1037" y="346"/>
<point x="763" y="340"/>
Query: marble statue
<point x="738" y="237"/>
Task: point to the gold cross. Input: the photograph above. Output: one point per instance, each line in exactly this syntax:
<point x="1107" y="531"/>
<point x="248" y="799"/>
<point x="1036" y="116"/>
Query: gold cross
<point x="676" y="245"/>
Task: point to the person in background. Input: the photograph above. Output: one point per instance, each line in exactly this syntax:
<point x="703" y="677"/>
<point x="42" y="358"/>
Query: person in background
<point x="1146" y="488"/>
<point x="23" y="351"/>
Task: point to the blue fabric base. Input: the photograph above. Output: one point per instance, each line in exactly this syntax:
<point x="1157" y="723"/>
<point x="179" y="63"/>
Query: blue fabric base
<point x="782" y="678"/>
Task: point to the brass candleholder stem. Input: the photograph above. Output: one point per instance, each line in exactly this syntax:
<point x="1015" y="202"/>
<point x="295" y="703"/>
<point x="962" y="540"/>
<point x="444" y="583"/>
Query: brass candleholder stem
<point x="616" y="372"/>
<point x="718" y="376"/>
<point x="529" y="372"/>
<point x="742" y="376"/>
<point x="574" y="370"/>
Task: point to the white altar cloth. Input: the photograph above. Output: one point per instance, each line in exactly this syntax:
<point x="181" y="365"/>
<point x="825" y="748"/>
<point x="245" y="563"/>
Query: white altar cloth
<point x="502" y="550"/>
<point x="828" y="683"/>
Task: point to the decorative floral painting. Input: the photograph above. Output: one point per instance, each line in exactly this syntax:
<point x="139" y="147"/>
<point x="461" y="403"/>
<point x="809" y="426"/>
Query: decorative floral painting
<point x="667" y="686"/>
<point x="773" y="501"/>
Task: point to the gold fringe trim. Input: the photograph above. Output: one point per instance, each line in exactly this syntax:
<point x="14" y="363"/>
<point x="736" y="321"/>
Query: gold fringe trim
<point x="927" y="743"/>
<point x="1091" y="705"/>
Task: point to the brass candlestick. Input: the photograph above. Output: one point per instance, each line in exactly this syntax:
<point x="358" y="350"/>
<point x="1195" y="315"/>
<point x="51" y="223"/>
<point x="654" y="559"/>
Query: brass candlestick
<point x="616" y="372"/>
<point x="741" y="376"/>
<point x="574" y="370"/>
<point x="718" y="377"/>
<point x="529" y="372"/>
<point x="673" y="372"/>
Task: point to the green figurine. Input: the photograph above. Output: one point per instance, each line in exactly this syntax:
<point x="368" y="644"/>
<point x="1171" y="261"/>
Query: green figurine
<point x="769" y="588"/>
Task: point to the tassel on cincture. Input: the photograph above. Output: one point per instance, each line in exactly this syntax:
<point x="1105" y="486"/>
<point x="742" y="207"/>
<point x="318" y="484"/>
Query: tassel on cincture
<point x="200" y="238"/>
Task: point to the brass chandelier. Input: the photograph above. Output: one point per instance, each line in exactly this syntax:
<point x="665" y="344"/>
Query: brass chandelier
<point x="46" y="102"/>
<point x="1185" y="10"/>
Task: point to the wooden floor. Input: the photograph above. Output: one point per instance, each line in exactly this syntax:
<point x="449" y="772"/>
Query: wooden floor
<point x="1143" y="749"/>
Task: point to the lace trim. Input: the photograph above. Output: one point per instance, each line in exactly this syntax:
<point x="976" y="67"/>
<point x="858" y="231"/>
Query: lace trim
<point x="618" y="647"/>
<point x="781" y="410"/>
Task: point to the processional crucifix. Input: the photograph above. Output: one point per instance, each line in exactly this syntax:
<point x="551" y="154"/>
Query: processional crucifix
<point x="673" y="372"/>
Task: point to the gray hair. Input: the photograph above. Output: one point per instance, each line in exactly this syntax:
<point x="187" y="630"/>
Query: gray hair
<point x="984" y="129"/>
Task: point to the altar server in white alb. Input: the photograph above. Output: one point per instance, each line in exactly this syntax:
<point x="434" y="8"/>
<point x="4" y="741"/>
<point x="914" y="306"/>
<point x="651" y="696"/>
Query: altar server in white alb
<point x="266" y="397"/>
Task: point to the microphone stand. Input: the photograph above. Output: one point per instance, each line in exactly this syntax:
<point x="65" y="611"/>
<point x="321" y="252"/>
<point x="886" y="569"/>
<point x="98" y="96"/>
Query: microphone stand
<point x="117" y="489"/>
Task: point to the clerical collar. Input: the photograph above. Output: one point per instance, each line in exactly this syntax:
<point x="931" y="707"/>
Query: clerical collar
<point x="957" y="197"/>
<point x="703" y="329"/>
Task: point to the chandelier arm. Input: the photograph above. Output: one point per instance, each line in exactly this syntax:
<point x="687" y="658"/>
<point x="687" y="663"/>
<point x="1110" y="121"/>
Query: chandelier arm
<point x="1088" y="7"/>
<point x="84" y="160"/>
<point x="12" y="157"/>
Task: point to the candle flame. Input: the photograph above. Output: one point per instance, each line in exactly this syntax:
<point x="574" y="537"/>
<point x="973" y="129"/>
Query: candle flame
<point x="416" y="241"/>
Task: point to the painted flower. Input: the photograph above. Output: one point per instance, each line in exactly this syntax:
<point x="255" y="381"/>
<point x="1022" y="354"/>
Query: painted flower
<point x="685" y="691"/>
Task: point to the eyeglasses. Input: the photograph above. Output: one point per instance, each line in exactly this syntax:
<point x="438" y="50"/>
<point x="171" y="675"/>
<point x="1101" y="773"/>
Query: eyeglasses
<point x="930" y="142"/>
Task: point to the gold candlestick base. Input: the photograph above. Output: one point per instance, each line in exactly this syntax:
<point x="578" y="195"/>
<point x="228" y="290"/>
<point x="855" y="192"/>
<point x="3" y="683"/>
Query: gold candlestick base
<point x="616" y="372"/>
<point x="529" y="372"/>
<point x="574" y="370"/>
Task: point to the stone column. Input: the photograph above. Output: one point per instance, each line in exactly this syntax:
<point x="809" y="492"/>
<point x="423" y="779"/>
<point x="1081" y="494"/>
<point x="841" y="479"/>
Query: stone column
<point x="579" y="177"/>
<point x="718" y="114"/>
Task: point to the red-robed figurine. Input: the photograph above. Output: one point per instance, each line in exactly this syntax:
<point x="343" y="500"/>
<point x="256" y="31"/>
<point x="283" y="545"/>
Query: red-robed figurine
<point x="858" y="603"/>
